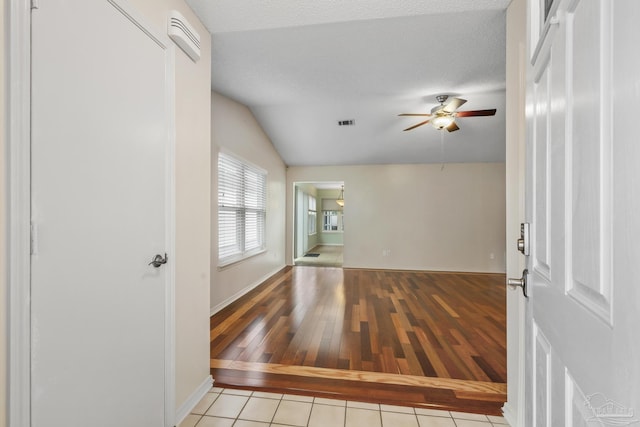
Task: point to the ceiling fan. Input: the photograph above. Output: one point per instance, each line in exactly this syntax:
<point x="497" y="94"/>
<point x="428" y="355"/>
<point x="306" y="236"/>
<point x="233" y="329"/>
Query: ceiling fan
<point x="443" y="116"/>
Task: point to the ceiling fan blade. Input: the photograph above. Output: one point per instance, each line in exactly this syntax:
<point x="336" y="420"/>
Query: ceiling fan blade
<point x="452" y="127"/>
<point x="414" y="114"/>
<point x="419" y="124"/>
<point x="476" y="113"/>
<point x="453" y="104"/>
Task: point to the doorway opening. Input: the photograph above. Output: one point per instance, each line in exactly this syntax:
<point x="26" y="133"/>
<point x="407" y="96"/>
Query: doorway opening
<point x="318" y="224"/>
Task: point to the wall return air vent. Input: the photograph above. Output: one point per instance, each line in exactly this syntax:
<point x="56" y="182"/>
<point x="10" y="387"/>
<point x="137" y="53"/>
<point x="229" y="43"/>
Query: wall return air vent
<point x="184" y="35"/>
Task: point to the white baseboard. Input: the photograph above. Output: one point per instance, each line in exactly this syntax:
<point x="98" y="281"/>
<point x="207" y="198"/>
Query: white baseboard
<point x="192" y="401"/>
<point x="242" y="292"/>
<point x="510" y="415"/>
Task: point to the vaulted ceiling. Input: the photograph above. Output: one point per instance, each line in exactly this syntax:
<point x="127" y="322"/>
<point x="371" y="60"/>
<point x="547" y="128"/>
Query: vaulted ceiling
<point x="304" y="65"/>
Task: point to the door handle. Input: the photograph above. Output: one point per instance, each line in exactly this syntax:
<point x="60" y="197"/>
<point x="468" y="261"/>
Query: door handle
<point x="522" y="282"/>
<point x="158" y="260"/>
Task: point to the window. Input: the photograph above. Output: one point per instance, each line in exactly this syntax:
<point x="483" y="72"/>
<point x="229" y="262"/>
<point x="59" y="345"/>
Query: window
<point x="313" y="218"/>
<point x="242" y="191"/>
<point x="332" y="221"/>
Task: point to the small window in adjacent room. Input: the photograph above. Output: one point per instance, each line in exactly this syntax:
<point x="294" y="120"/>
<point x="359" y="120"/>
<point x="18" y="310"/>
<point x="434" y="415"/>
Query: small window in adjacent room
<point x="242" y="209"/>
<point x="313" y="216"/>
<point x="332" y="221"/>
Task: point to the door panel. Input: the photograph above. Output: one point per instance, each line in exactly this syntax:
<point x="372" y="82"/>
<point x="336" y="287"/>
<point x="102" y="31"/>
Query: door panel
<point x="576" y="350"/>
<point x="589" y="142"/>
<point x="542" y="379"/>
<point x="541" y="190"/>
<point x="100" y="146"/>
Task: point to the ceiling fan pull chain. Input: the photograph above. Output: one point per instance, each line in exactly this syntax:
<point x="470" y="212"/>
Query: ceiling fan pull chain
<point x="441" y="150"/>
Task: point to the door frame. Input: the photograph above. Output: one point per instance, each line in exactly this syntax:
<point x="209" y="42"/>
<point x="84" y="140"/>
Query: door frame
<point x="517" y="68"/>
<point x="19" y="210"/>
<point x="298" y="220"/>
<point x="19" y="227"/>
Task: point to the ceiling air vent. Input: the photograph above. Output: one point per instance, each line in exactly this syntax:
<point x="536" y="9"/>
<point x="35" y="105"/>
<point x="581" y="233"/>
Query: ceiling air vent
<point x="346" y="122"/>
<point x="183" y="34"/>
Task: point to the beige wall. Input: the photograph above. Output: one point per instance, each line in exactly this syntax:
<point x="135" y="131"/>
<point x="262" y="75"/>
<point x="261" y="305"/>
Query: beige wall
<point x="3" y="229"/>
<point x="193" y="217"/>
<point x="428" y="218"/>
<point x="235" y="130"/>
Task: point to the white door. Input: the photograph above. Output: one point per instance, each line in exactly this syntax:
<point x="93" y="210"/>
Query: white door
<point x="583" y="203"/>
<point x="100" y="150"/>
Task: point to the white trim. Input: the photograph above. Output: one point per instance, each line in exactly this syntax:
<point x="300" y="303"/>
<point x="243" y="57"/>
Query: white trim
<point x="129" y="12"/>
<point x="514" y="412"/>
<point x="521" y="392"/>
<point x="243" y="291"/>
<point x="509" y="414"/>
<point x="193" y="399"/>
<point x="170" y="286"/>
<point x="19" y="199"/>
<point x="233" y="261"/>
<point x="170" y="210"/>
<point x="227" y="152"/>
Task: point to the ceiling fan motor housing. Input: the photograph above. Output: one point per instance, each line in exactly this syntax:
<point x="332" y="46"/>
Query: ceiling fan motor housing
<point x="442" y="98"/>
<point x="438" y="111"/>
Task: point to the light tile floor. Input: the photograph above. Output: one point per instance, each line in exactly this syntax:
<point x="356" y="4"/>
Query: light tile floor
<point x="241" y="408"/>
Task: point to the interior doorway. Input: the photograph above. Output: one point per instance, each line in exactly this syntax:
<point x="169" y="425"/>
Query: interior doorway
<point x="322" y="256"/>
<point x="319" y="223"/>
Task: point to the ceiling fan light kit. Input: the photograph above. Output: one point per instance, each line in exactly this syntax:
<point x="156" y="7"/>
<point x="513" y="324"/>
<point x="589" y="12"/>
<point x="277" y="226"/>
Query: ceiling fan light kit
<point x="442" y="121"/>
<point x="444" y="116"/>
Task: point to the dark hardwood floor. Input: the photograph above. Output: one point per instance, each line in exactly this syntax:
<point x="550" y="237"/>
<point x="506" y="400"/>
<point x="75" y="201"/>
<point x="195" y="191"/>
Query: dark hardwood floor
<point x="435" y="340"/>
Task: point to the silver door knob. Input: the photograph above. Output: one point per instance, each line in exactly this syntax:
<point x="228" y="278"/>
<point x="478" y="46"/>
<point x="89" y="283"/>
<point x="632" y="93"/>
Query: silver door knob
<point x="158" y="260"/>
<point x="522" y="282"/>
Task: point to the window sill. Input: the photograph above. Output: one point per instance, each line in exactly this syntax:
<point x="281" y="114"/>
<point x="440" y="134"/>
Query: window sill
<point x="233" y="262"/>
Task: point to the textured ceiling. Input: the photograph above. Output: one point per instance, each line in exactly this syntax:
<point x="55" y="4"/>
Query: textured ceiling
<point x="302" y="66"/>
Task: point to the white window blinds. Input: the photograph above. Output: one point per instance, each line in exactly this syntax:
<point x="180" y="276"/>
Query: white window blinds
<point x="312" y="215"/>
<point x="242" y="195"/>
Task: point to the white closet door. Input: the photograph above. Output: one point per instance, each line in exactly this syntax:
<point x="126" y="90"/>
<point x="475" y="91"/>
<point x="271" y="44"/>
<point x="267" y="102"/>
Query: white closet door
<point x="100" y="206"/>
